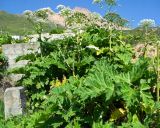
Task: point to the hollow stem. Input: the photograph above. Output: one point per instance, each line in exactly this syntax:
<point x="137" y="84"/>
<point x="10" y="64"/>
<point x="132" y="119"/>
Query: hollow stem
<point x="157" y="71"/>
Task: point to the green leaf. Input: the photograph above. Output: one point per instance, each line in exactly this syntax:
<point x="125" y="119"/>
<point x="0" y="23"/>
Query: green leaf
<point x="87" y="60"/>
<point x="144" y="86"/>
<point x="31" y="57"/>
<point x="136" y="123"/>
<point x="130" y="95"/>
<point x="138" y="69"/>
<point x="145" y="94"/>
<point x="123" y="78"/>
<point x="99" y="81"/>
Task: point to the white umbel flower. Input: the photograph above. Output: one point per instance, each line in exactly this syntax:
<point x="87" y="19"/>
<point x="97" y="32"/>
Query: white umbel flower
<point x="60" y="7"/>
<point x="47" y="9"/>
<point x="147" y="23"/>
<point x="27" y="12"/>
<point x="92" y="47"/>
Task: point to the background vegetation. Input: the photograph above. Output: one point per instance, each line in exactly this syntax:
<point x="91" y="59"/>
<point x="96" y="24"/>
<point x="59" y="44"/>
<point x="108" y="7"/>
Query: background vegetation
<point x="19" y="25"/>
<point x="92" y="80"/>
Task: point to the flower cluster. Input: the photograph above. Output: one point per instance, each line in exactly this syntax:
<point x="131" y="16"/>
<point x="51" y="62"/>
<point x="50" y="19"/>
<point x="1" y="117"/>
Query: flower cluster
<point x="60" y="7"/>
<point x="39" y="15"/>
<point x="96" y="15"/>
<point x="147" y="23"/>
<point x="27" y="12"/>
<point x="47" y="10"/>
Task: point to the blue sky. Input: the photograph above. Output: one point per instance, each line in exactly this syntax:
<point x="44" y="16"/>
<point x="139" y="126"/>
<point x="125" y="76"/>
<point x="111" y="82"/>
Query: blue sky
<point x="133" y="10"/>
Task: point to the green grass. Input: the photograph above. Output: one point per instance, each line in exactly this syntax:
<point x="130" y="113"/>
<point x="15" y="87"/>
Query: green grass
<point x="2" y="119"/>
<point x="19" y="25"/>
<point x="14" y="24"/>
<point x="1" y="109"/>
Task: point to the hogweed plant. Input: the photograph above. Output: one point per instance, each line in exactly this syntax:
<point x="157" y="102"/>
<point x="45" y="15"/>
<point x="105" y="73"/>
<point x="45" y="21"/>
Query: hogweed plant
<point x="146" y="24"/>
<point x="157" y="68"/>
<point x="108" y="3"/>
<point x="38" y="18"/>
<point x="89" y="81"/>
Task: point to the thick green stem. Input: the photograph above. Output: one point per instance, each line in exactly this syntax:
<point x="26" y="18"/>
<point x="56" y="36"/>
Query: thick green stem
<point x="158" y="72"/>
<point x="146" y="42"/>
<point x="110" y="38"/>
<point x="145" y="49"/>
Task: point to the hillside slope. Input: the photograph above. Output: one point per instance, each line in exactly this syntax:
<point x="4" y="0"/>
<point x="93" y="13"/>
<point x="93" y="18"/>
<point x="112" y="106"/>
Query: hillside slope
<point x="17" y="24"/>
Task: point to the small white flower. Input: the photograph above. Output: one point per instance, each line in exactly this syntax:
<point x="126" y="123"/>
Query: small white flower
<point x="40" y="20"/>
<point x="147" y="23"/>
<point x="96" y="15"/>
<point x="81" y="31"/>
<point x="27" y="12"/>
<point x="47" y="9"/>
<point x="92" y="47"/>
<point x="65" y="11"/>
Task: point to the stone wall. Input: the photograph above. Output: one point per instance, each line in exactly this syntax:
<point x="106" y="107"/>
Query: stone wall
<point x="49" y="37"/>
<point x="12" y="51"/>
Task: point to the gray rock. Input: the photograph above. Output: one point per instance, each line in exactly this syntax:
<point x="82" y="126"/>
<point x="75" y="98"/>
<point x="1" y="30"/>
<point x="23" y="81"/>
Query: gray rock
<point x="12" y="51"/>
<point x="49" y="37"/>
<point x="14" y="101"/>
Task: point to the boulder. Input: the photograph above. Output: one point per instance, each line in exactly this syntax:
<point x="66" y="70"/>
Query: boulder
<point x="14" y="101"/>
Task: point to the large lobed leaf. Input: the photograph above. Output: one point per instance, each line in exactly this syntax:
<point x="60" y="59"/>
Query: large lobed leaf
<point x="98" y="82"/>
